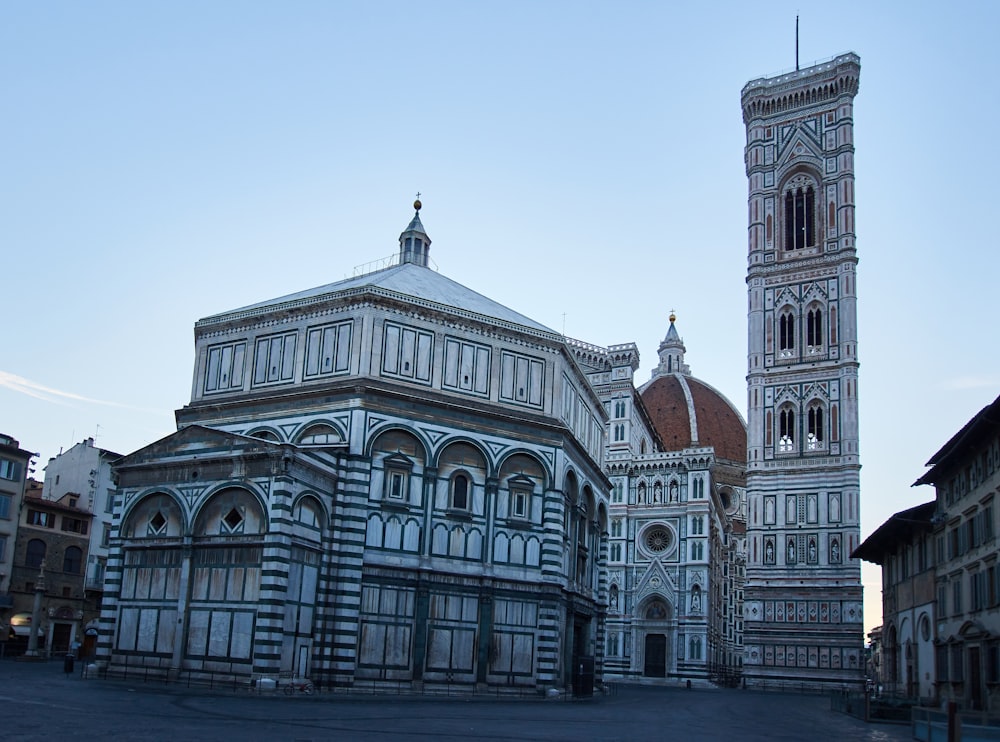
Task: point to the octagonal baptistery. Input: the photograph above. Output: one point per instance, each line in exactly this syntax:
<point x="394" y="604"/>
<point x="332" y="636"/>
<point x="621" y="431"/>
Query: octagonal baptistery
<point x="390" y="479"/>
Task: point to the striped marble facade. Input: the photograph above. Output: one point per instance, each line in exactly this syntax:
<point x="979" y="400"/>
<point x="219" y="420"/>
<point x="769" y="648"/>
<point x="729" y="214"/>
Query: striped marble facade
<point x="389" y="479"/>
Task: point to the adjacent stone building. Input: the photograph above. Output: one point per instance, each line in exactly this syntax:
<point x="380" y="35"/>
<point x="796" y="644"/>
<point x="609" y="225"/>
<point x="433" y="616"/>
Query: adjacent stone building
<point x="965" y="474"/>
<point x="14" y="465"/>
<point x="49" y="558"/>
<point x="904" y="644"/>
<point x="82" y="475"/>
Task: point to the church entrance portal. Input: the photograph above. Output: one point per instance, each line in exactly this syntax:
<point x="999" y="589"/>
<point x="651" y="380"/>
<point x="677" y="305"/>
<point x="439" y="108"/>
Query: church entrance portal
<point x="656" y="656"/>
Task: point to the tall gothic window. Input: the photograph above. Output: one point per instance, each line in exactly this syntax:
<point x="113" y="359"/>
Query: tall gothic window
<point x="815" y="422"/>
<point x="786" y="430"/>
<point x="800" y="218"/>
<point x="814" y="327"/>
<point x="786" y="334"/>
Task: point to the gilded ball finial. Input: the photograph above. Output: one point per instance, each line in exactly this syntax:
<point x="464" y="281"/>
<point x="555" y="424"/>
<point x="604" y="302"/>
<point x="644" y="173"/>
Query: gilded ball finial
<point x="672" y="317"/>
<point x="417" y="204"/>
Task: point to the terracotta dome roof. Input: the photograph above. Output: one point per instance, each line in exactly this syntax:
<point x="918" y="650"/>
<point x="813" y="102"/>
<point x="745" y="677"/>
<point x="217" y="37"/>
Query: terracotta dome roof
<point x="688" y="412"/>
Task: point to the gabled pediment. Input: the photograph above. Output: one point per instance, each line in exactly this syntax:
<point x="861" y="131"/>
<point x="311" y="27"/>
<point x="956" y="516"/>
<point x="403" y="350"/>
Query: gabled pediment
<point x="655" y="581"/>
<point x="973" y="630"/>
<point x="815" y="292"/>
<point x="197" y="440"/>
<point x="787" y="296"/>
<point x="785" y="394"/>
<point x="817" y="391"/>
<point x="798" y="144"/>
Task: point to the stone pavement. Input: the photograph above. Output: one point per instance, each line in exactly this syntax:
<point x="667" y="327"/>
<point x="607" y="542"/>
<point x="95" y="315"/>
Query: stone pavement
<point x="38" y="702"/>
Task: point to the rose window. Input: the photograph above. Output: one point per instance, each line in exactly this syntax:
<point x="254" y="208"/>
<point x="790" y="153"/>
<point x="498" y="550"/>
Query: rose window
<point x="658" y="540"/>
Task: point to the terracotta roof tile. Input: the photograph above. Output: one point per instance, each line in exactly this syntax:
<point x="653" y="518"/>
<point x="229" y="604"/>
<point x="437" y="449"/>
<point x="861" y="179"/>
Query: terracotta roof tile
<point x="718" y="422"/>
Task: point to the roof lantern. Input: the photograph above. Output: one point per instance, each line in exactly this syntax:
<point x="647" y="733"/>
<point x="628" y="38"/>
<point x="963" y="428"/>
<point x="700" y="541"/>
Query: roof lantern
<point x="414" y="244"/>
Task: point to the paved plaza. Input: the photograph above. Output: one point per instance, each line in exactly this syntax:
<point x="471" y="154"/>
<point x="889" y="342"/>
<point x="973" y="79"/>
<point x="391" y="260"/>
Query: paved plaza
<point x="38" y="702"/>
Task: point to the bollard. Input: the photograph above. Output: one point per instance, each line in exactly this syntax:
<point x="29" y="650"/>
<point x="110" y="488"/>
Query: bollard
<point x="68" y="663"/>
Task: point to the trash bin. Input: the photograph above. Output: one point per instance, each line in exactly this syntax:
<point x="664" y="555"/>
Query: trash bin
<point x="68" y="663"/>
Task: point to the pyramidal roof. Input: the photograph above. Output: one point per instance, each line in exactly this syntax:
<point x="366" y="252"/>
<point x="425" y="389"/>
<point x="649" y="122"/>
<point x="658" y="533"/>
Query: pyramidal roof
<point x="408" y="281"/>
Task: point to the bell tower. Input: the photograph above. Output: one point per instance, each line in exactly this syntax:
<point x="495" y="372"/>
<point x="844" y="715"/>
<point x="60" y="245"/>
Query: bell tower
<point x="803" y="600"/>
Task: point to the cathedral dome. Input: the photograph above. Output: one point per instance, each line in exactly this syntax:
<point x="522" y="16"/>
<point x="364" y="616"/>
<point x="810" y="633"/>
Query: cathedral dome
<point x="688" y="412"/>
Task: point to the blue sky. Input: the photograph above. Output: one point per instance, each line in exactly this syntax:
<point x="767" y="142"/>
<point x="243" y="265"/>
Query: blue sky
<point x="580" y="162"/>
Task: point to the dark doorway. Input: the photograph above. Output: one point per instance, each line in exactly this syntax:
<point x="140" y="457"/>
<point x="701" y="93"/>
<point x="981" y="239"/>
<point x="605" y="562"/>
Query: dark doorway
<point x="975" y="680"/>
<point x="582" y="669"/>
<point x="656" y="656"/>
<point x="61" y="638"/>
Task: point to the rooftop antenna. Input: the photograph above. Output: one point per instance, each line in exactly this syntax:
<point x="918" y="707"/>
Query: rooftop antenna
<point x="796" y="43"/>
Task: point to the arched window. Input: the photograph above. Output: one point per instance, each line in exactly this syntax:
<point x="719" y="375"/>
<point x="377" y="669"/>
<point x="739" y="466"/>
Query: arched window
<point x="786" y="334"/>
<point x="786" y="430"/>
<point x="35" y="553"/>
<point x="800" y="218"/>
<point x="460" y="492"/>
<point x="319" y="435"/>
<point x="265" y="435"/>
<point x="72" y="560"/>
<point x="694" y="648"/>
<point x="814" y="328"/>
<point x="815" y="437"/>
